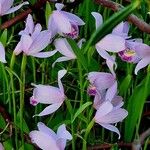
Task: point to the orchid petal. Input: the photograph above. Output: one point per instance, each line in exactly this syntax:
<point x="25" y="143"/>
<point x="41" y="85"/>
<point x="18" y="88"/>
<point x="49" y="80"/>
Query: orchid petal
<point x="2" y="53"/>
<point x="107" y="43"/>
<point x="98" y="100"/>
<point x="101" y="80"/>
<point x="44" y="54"/>
<point x="43" y="140"/>
<point x="26" y="42"/>
<point x="18" y="48"/>
<point x="59" y="6"/>
<point x="43" y="128"/>
<point x="49" y="109"/>
<point x="63" y="133"/>
<point x="11" y="10"/>
<point x="64" y="48"/>
<point x="46" y="94"/>
<point x="116" y="115"/>
<point x="62" y="22"/>
<point x="52" y="27"/>
<point x="80" y="43"/>
<point x="117" y="102"/>
<point x="61" y="74"/>
<point x="103" y="110"/>
<point x="111" y="128"/>
<point x="61" y="59"/>
<point x="98" y="19"/>
<point x="37" y="30"/>
<point x="73" y="18"/>
<point x="143" y="63"/>
<point x="40" y="42"/>
<point x="5" y="6"/>
<point x="1" y="146"/>
<point x="111" y="92"/>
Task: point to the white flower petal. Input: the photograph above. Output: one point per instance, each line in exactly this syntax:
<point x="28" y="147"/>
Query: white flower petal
<point x="98" y="19"/>
<point x="2" y="53"/>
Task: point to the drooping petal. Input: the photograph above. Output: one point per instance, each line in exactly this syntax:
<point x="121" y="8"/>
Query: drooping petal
<point x="61" y="59"/>
<point x="40" y="42"/>
<point x="49" y="109"/>
<point x="64" y="48"/>
<point x="61" y="73"/>
<point x="80" y="43"/>
<point x="116" y="115"/>
<point x="63" y="133"/>
<point x="111" y="128"/>
<point x="44" y="54"/>
<point x="46" y="94"/>
<point x="2" y="53"/>
<point x="13" y="9"/>
<point x="143" y="63"/>
<point x="62" y="22"/>
<point x="5" y="6"/>
<point x="112" y="43"/>
<point x="103" y="110"/>
<point x="43" y="140"/>
<point x="73" y="18"/>
<point x="43" y="128"/>
<point x="111" y="92"/>
<point x="98" y="19"/>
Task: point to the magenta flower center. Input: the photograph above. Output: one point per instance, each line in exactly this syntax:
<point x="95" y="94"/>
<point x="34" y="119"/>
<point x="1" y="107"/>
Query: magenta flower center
<point x="74" y="32"/>
<point x="33" y="101"/>
<point x="91" y="90"/>
<point x="127" y="55"/>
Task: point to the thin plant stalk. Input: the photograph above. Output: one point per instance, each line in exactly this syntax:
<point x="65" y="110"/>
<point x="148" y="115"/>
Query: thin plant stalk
<point x="88" y="129"/>
<point x="12" y="62"/>
<point x="22" y="89"/>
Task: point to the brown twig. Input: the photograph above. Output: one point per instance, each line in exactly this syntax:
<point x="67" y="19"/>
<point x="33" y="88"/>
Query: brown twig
<point x="143" y="26"/>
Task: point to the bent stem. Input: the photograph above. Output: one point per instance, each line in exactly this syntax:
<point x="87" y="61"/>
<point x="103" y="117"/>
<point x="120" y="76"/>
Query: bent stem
<point x="12" y="62"/>
<point x="88" y="129"/>
<point x="22" y="89"/>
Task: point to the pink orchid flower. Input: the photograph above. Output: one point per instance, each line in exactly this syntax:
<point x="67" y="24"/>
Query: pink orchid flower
<point x="5" y="7"/>
<point x="64" y="23"/>
<point x="108" y="95"/>
<point x="46" y="94"/>
<point x="107" y="115"/>
<point x="62" y="46"/>
<point x="100" y="81"/>
<point x="2" y="53"/>
<point x="46" y="139"/>
<point x="33" y="40"/>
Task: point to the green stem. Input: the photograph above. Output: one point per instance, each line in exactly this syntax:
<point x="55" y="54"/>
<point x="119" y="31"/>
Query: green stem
<point x="22" y="89"/>
<point x="88" y="129"/>
<point x="12" y="62"/>
<point x="80" y="82"/>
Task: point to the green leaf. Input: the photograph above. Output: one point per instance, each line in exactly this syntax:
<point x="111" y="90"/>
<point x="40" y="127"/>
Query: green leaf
<point x="79" y="53"/>
<point x="135" y="108"/>
<point x="3" y="38"/>
<point x="80" y="110"/>
<point x="110" y="24"/>
<point x="125" y="84"/>
<point x="48" y="12"/>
